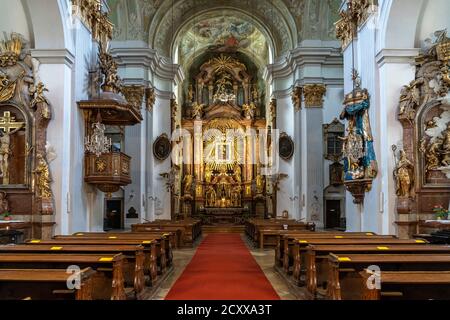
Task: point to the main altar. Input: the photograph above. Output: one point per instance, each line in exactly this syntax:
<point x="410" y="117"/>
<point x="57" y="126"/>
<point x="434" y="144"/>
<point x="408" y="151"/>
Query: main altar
<point x="220" y="159"/>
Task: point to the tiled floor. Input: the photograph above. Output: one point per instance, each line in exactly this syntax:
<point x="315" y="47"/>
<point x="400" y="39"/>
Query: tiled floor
<point x="265" y="258"/>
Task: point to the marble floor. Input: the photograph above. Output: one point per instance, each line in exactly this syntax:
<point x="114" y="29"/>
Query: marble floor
<point x="265" y="259"/>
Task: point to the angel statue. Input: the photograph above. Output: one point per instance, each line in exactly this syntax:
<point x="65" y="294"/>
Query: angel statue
<point x="249" y="110"/>
<point x="197" y="111"/>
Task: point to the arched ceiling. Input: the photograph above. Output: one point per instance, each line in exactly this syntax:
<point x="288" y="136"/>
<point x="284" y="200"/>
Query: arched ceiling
<point x="283" y="22"/>
<point x="224" y="31"/>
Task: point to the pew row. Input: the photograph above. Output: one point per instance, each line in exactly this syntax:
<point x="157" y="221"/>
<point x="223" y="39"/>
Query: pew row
<point x="406" y="285"/>
<point x="344" y="278"/>
<point x="45" y="284"/>
<point x="317" y="257"/>
<point x="108" y="281"/>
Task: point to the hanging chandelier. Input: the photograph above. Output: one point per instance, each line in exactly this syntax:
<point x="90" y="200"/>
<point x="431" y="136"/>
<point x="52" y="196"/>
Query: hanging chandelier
<point x="97" y="143"/>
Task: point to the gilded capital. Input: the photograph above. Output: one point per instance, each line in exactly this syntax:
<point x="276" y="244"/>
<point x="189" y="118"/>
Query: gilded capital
<point x="314" y="94"/>
<point x="356" y="14"/>
<point x="134" y="95"/>
<point x="297" y="98"/>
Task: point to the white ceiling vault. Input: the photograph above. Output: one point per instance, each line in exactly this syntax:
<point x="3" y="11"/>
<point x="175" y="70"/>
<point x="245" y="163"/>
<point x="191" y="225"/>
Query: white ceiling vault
<point x="169" y="24"/>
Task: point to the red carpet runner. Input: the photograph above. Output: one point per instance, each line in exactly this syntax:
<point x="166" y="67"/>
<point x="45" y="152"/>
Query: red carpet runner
<point x="222" y="269"/>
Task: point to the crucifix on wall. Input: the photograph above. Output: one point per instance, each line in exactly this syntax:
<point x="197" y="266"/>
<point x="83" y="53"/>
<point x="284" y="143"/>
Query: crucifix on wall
<point x="8" y="127"/>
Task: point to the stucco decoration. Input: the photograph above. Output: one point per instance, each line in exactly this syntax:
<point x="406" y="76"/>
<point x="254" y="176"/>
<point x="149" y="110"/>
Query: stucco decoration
<point x="285" y="22"/>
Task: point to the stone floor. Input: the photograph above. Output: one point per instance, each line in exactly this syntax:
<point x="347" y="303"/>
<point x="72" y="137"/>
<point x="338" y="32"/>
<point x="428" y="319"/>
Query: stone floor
<point x="265" y="258"/>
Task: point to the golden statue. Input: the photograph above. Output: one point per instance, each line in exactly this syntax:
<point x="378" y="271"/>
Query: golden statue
<point x="188" y="180"/>
<point x="432" y="156"/>
<point x="260" y="183"/>
<point x="43" y="180"/>
<point x="238" y="174"/>
<point x="404" y="174"/>
<point x="446" y="146"/>
<point x="197" y="111"/>
<point x="236" y="196"/>
<point x="208" y="174"/>
<point x="249" y="110"/>
<point x="210" y="197"/>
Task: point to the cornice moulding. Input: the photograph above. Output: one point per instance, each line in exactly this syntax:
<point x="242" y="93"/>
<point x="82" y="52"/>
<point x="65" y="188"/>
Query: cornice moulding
<point x="54" y="56"/>
<point x="405" y="56"/>
<point x="150" y="59"/>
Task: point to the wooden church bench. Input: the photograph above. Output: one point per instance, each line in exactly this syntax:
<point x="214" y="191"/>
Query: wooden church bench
<point x="151" y="263"/>
<point x="300" y="248"/>
<point x="407" y="285"/>
<point x="285" y="242"/>
<point x="344" y="279"/>
<point x="108" y="281"/>
<point x="316" y="257"/>
<point x="163" y="247"/>
<point x="44" y="284"/>
<point x="134" y="267"/>
<point x="290" y="240"/>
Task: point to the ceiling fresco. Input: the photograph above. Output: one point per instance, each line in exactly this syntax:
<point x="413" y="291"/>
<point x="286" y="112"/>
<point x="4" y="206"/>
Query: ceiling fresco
<point x="222" y="33"/>
<point x="286" y="22"/>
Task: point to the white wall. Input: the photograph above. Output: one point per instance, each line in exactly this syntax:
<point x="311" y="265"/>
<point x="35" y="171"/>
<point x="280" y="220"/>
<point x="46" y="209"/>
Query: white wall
<point x="14" y="19"/>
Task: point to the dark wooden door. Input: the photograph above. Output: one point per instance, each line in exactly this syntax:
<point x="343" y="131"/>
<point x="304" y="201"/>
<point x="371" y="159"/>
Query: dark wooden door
<point x="113" y="214"/>
<point x="333" y="214"/>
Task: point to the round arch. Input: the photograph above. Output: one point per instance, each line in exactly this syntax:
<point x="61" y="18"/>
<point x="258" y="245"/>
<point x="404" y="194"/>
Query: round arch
<point x="259" y="25"/>
<point x="399" y="22"/>
<point x="49" y="23"/>
<point x="271" y="16"/>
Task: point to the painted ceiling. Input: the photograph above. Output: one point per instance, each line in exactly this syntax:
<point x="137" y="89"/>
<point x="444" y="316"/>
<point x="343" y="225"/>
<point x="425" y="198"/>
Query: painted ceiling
<point x="285" y="22"/>
<point x="226" y="32"/>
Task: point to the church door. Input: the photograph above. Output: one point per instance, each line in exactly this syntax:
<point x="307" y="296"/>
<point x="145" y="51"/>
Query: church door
<point x="333" y="214"/>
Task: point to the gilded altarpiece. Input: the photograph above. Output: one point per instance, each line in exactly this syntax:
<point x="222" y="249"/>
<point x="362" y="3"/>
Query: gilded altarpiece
<point x="422" y="170"/>
<point x="221" y="178"/>
<point x="25" y="178"/>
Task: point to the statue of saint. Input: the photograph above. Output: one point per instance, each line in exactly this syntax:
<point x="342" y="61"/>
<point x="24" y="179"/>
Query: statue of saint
<point x="409" y="99"/>
<point x="446" y="146"/>
<point x="210" y="197"/>
<point x="353" y="151"/>
<point x="260" y="183"/>
<point x="249" y="110"/>
<point x="238" y="174"/>
<point x="188" y="180"/>
<point x="236" y="196"/>
<point x="43" y="181"/>
<point x="190" y="94"/>
<point x="404" y="174"/>
<point x="208" y="174"/>
<point x="197" y="111"/>
<point x="432" y="156"/>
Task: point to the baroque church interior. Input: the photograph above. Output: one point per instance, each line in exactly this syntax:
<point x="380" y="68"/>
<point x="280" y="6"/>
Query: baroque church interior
<point x="224" y="149"/>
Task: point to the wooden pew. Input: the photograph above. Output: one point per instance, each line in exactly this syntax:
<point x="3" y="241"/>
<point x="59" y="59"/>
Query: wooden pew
<point x="290" y="240"/>
<point x="256" y="226"/>
<point x="134" y="266"/>
<point x="44" y="284"/>
<point x="188" y="230"/>
<point x="285" y="242"/>
<point x="108" y="282"/>
<point x="172" y="237"/>
<point x="316" y="257"/>
<point x="344" y="282"/>
<point x="163" y="246"/>
<point x="300" y="248"/>
<point x="407" y="285"/>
